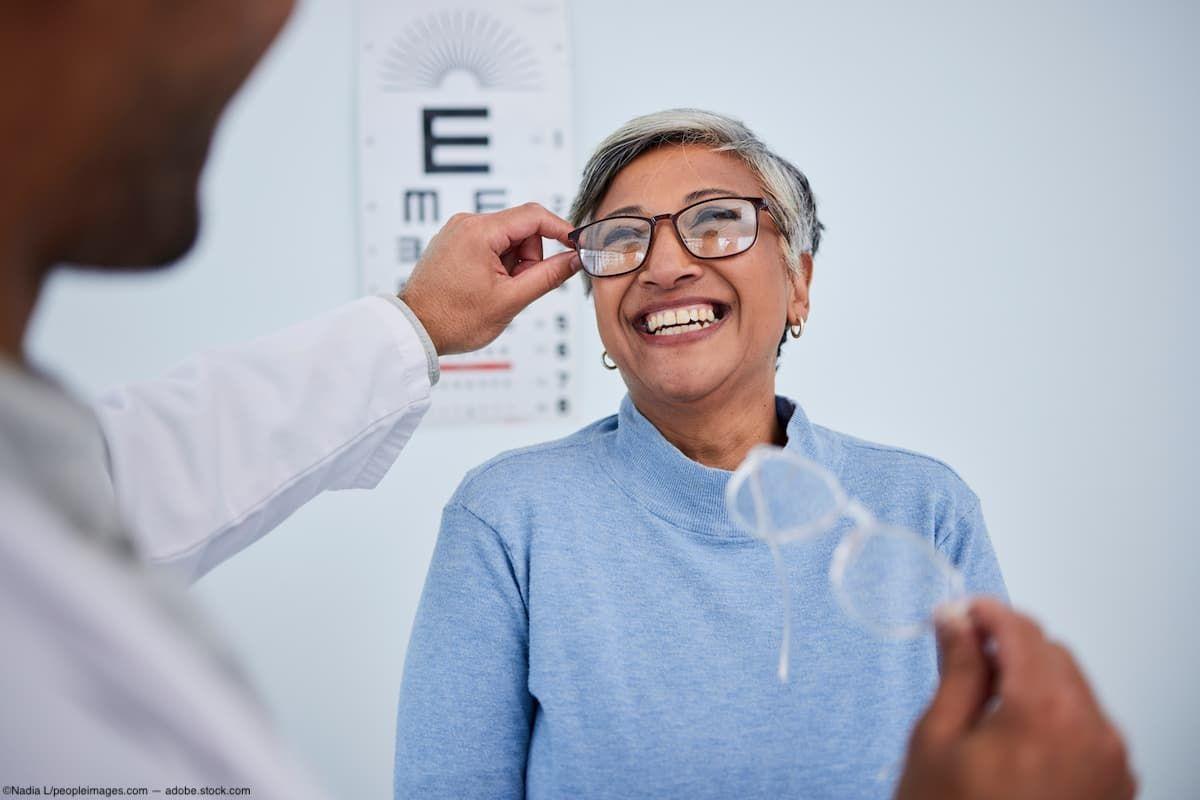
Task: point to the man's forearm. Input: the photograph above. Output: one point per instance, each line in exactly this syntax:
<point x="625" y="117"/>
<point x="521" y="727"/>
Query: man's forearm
<point x="212" y="456"/>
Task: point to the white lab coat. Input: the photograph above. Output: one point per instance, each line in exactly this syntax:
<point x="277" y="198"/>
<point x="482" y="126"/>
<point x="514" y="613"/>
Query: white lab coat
<point x="107" y="678"/>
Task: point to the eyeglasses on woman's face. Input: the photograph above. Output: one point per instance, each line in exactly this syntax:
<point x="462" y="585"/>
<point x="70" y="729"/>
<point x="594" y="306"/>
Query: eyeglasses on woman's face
<point x="715" y="228"/>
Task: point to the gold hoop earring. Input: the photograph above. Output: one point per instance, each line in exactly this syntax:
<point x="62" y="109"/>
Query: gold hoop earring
<point x="607" y="361"/>
<point x="797" y="330"/>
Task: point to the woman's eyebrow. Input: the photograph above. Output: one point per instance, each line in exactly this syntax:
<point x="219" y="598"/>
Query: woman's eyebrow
<point x="688" y="199"/>
<point x="616" y="212"/>
<point x="692" y="197"/>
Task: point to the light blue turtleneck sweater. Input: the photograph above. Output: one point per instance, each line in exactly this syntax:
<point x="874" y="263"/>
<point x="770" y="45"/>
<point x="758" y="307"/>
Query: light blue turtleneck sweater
<point x="594" y="626"/>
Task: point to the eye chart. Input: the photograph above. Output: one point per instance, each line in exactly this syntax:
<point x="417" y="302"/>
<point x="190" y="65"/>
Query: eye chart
<point x="463" y="106"/>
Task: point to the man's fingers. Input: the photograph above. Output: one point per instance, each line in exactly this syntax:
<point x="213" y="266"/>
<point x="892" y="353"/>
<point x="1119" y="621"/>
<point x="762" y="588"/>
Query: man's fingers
<point x="965" y="679"/>
<point x="514" y="225"/>
<point x="526" y="251"/>
<point x="1020" y="647"/>
<point x="534" y="280"/>
<point x="530" y="249"/>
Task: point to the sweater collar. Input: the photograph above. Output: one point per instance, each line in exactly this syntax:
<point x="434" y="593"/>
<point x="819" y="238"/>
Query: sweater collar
<point x="681" y="491"/>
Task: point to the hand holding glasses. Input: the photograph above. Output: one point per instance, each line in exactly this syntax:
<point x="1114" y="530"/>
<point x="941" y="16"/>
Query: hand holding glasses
<point x="887" y="578"/>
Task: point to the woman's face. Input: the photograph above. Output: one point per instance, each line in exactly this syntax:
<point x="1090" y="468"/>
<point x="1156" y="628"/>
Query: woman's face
<point x="752" y="294"/>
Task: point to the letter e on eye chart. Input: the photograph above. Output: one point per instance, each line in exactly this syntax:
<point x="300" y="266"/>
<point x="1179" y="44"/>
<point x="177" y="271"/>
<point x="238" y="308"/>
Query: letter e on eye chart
<point x="463" y="106"/>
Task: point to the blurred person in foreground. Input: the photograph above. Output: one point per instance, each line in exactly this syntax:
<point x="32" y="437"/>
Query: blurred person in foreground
<point x="108" y="678"/>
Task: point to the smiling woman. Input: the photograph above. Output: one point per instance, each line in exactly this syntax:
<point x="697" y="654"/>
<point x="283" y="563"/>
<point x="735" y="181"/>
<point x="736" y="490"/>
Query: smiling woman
<point x="594" y="624"/>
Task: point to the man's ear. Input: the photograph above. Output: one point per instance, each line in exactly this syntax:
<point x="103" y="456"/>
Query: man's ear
<point x="798" y="301"/>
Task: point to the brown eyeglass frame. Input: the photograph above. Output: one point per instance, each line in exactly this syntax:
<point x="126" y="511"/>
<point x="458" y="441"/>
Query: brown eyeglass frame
<point x="760" y="204"/>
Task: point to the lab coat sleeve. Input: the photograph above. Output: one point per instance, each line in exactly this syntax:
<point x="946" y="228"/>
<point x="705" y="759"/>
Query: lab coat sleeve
<point x="463" y="728"/>
<point x="212" y="456"/>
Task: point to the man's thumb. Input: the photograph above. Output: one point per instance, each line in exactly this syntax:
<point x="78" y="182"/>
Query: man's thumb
<point x="965" y="679"/>
<point x="535" y="280"/>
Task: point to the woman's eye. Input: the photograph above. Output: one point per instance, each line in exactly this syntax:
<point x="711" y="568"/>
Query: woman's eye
<point x="716" y="214"/>
<point x="620" y="236"/>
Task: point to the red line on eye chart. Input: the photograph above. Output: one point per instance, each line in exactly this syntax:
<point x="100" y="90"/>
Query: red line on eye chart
<point x="479" y="366"/>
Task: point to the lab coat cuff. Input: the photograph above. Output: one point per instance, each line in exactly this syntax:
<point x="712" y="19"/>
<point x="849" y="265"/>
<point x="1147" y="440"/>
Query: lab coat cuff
<point x="404" y="422"/>
<point x="431" y="355"/>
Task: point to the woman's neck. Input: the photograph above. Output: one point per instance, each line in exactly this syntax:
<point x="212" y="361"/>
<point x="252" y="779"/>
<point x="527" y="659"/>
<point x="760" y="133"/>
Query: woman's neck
<point x="714" y="431"/>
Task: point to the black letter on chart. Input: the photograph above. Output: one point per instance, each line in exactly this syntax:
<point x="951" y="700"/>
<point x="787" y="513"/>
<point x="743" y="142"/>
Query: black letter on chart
<point x="408" y="249"/>
<point x="420" y="195"/>
<point x="489" y="200"/>
<point x="432" y="140"/>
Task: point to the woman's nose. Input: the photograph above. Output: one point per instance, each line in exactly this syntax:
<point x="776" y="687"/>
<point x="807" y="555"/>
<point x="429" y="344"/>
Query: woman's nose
<point x="668" y="262"/>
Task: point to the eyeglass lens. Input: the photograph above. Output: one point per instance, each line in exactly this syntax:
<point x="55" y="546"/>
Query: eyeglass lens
<point x="779" y="497"/>
<point x="891" y="581"/>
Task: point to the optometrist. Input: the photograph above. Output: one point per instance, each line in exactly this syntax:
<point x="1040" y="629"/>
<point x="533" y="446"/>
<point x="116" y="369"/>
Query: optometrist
<point x="108" y="681"/>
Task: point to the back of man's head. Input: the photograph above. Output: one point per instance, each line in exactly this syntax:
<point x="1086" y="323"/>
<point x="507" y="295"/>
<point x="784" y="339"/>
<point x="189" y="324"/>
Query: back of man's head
<point x="108" y="112"/>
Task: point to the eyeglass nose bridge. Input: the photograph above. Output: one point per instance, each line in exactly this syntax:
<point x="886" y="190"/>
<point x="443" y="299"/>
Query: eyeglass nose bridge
<point x="654" y="220"/>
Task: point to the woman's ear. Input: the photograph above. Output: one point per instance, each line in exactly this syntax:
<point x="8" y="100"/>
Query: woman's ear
<point x="800" y="281"/>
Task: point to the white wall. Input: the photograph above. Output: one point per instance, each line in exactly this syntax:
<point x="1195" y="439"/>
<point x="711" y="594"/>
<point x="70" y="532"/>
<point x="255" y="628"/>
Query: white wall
<point x="1008" y="269"/>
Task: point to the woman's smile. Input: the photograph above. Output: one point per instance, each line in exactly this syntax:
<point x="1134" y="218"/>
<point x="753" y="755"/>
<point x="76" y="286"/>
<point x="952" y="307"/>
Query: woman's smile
<point x="680" y="321"/>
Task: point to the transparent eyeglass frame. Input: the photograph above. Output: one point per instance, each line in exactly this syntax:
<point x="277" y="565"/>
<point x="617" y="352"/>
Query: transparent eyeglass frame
<point x="865" y="527"/>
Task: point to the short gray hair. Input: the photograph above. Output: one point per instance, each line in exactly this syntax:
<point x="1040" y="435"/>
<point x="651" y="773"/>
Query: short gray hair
<point x="786" y="187"/>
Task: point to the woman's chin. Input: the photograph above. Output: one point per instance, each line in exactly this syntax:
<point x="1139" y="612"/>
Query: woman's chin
<point x="681" y="388"/>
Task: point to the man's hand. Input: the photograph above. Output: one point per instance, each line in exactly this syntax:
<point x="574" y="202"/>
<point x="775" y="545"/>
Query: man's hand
<point x="1013" y="718"/>
<point x="481" y="270"/>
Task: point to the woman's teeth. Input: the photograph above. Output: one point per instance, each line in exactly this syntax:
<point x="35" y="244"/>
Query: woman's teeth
<point x="695" y="326"/>
<point x="680" y="320"/>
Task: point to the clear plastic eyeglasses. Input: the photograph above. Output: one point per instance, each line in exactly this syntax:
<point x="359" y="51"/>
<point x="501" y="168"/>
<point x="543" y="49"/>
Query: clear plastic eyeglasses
<point x="889" y="579"/>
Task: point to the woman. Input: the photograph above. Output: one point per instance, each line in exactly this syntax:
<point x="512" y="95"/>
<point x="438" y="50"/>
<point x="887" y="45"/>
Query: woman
<point x="593" y="624"/>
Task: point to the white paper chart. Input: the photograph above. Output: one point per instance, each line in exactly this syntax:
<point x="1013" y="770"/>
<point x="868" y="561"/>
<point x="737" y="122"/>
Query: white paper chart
<point x="463" y="106"/>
